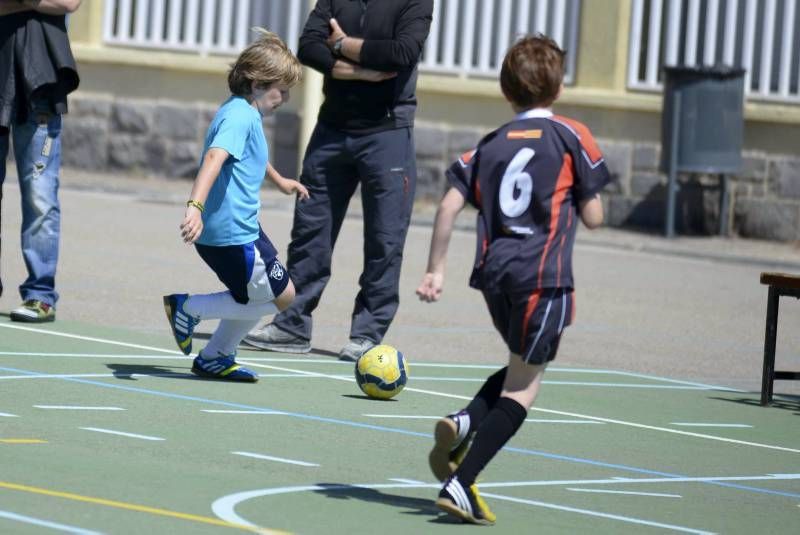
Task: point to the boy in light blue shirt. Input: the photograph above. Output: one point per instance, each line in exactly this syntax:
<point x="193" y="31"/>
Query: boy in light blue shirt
<point x="221" y="216"/>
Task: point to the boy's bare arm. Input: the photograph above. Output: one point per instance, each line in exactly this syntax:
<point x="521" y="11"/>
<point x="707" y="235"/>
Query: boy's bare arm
<point x="287" y="186"/>
<point x="430" y="289"/>
<point x="591" y="212"/>
<point x="192" y="225"/>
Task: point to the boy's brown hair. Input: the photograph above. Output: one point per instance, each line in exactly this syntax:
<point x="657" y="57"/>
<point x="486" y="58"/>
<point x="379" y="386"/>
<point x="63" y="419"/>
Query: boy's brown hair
<point x="266" y="61"/>
<point x="532" y="72"/>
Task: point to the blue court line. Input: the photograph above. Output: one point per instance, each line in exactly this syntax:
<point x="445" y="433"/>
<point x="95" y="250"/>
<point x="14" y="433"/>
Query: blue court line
<point x="401" y="432"/>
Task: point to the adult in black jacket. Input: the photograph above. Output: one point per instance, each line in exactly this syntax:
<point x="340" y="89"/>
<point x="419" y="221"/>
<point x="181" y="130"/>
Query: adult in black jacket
<point x="368" y="51"/>
<point x="37" y="71"/>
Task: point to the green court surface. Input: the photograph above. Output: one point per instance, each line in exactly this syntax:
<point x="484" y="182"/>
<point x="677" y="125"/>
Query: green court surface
<point x="107" y="431"/>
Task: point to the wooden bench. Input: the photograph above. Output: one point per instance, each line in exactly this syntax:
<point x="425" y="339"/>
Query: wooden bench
<point x="779" y="284"/>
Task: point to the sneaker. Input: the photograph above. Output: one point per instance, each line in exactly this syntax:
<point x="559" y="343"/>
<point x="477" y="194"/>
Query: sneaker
<point x="464" y="503"/>
<point x="273" y="338"/>
<point x="451" y="443"/>
<point x="182" y="324"/>
<point x="33" y="311"/>
<point x="223" y="367"/>
<point x="355" y="348"/>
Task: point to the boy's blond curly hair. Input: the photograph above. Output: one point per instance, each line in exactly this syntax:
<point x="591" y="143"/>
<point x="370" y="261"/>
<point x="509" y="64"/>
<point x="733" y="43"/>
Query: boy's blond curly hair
<point x="265" y="61"/>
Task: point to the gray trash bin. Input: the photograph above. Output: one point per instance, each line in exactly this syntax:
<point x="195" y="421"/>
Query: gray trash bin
<point x="702" y="127"/>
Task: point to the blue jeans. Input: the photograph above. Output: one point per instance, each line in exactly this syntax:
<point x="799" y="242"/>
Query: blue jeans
<point x="37" y="150"/>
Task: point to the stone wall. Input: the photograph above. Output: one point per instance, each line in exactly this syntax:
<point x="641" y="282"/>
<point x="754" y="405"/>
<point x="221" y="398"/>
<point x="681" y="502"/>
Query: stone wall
<point x="764" y="199"/>
<point x="156" y="137"/>
<point x="165" y="138"/>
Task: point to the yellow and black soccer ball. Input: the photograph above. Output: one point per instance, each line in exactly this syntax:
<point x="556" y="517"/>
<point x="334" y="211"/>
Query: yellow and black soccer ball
<point x="382" y="372"/>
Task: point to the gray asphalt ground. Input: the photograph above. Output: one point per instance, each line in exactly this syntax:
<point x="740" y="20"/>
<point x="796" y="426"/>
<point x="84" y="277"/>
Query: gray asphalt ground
<point x="690" y="308"/>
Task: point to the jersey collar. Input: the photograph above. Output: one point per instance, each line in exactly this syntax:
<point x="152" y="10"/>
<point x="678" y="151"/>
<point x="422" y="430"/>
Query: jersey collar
<point x="537" y="113"/>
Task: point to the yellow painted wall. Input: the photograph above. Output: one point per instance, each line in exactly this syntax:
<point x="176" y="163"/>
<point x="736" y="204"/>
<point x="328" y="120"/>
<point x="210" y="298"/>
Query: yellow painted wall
<point x="599" y="97"/>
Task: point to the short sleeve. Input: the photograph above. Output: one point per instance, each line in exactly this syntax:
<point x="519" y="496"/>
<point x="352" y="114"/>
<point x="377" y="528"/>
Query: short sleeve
<point x="590" y="177"/>
<point x="461" y="176"/>
<point x="231" y="135"/>
<point x="591" y="172"/>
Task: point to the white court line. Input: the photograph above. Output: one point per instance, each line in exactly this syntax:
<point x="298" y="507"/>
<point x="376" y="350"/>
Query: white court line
<point x="46" y="523"/>
<point x="442" y="394"/>
<point x="402" y="416"/>
<point x="531" y="420"/>
<point x="8" y="415"/>
<point x="631" y="493"/>
<point x="700" y="424"/>
<point x="90" y="339"/>
<point x="271" y="458"/>
<point x="92" y="375"/>
<point x="561" y="413"/>
<point x="543" y="421"/>
<point x="350" y="378"/>
<point x="180" y="356"/>
<point x="407" y="481"/>
<point x="557" y="383"/>
<point x="120" y="433"/>
<point x="596" y="513"/>
<point x="699" y="386"/>
<point x="78" y="408"/>
<point x="90" y="355"/>
<point x="225" y="507"/>
<point x="222" y="411"/>
<point x="626" y="480"/>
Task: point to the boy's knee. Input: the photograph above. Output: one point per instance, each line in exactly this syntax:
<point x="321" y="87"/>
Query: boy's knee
<point x="285" y="299"/>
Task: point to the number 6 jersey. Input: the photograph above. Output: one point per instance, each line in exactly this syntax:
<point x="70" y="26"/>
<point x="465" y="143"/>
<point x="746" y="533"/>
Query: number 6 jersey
<point x="526" y="179"/>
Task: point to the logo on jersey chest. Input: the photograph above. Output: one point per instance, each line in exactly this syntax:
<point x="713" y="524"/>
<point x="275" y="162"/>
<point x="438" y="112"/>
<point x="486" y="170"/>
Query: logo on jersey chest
<point x="524" y="134"/>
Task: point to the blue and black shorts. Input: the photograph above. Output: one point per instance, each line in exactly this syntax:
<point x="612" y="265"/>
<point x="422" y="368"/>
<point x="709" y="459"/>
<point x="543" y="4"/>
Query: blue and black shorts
<point x="251" y="271"/>
<point x="531" y="323"/>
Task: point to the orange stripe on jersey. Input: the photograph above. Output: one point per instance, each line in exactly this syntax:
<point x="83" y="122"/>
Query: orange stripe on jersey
<point x="524" y="134"/>
<point x="533" y="300"/>
<point x="467" y="156"/>
<point x="584" y="136"/>
<point x="478" y="192"/>
<point x="563" y="184"/>
<point x="561" y="247"/>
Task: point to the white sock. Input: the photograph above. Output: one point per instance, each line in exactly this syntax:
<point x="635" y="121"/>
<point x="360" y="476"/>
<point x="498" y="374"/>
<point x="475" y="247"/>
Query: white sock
<point x="221" y="305"/>
<point x="226" y="338"/>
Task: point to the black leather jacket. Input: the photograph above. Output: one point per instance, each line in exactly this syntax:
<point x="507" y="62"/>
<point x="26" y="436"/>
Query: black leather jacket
<point x="36" y="64"/>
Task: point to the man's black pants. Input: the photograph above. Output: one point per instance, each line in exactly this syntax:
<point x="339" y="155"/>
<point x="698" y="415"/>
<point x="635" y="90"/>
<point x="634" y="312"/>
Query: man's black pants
<point x="335" y="163"/>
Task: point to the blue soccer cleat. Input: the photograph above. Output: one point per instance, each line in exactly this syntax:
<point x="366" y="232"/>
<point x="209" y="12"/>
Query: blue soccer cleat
<point x="223" y="367"/>
<point x="182" y="324"/>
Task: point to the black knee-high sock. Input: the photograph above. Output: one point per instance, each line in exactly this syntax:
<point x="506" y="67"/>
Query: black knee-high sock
<point x="497" y="428"/>
<point x="485" y="399"/>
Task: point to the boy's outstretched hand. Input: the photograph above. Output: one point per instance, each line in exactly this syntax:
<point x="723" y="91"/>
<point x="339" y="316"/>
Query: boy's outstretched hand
<point x="430" y="289"/>
<point x="290" y="186"/>
<point x="192" y="225"/>
<point x="287" y="186"/>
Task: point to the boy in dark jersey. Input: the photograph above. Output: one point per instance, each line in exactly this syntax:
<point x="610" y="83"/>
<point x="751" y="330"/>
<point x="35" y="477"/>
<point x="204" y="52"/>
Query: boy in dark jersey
<point x="530" y="180"/>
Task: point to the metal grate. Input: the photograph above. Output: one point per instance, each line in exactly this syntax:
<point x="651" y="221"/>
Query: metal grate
<point x="763" y="37"/>
<point x="468" y="37"/>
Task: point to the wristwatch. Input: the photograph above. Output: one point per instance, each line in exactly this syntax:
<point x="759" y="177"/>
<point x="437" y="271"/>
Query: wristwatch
<point x="337" y="46"/>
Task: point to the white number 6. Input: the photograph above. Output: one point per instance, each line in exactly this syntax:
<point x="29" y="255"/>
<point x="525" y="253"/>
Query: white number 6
<point x="515" y="178"/>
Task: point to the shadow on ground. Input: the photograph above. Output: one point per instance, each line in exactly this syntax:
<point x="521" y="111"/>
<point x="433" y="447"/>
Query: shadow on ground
<point x="413" y="506"/>
<point x="366" y="398"/>
<point x="781" y="401"/>
<point x="315" y="351"/>
<point x="126" y="371"/>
